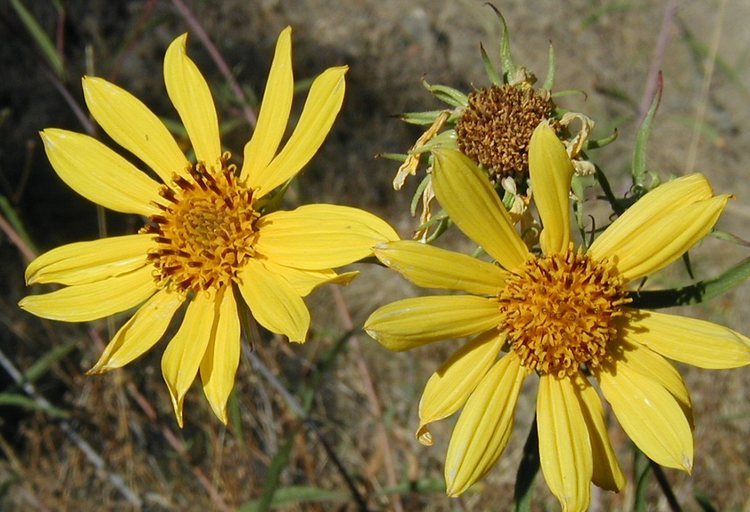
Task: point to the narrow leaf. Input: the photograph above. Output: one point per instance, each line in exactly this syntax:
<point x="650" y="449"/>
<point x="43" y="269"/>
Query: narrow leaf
<point x="644" y="131"/>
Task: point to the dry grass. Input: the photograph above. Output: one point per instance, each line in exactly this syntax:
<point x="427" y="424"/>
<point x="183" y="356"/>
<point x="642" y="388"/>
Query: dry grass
<point x="358" y="431"/>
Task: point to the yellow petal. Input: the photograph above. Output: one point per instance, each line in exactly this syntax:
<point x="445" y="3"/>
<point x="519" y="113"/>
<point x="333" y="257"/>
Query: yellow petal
<point x="322" y="105"/>
<point x="99" y="174"/>
<point x="183" y="355"/>
<point x="650" y="415"/>
<point x="665" y="238"/>
<point x="275" y="304"/>
<point x="305" y="281"/>
<point x="133" y="126"/>
<point x="450" y="386"/>
<point x="191" y="97"/>
<point x="697" y="342"/>
<point x="660" y="201"/>
<point x="565" y="454"/>
<point x="550" y="171"/>
<point x="432" y="267"/>
<point x="607" y="473"/>
<point x="219" y="364"/>
<point x="274" y="111"/>
<point x="320" y="236"/>
<point x="484" y="427"/>
<point x="648" y="363"/>
<point x="466" y="194"/>
<point x="87" y="262"/>
<point x="85" y="302"/>
<point x="140" y="333"/>
<point x="410" y="323"/>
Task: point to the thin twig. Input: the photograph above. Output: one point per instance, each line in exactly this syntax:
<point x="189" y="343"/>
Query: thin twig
<point x="661" y="478"/>
<point x="26" y="251"/>
<point x="657" y="59"/>
<point x="201" y="34"/>
<point x="179" y="447"/>
<point x="372" y="397"/>
<point x="93" y="457"/>
<point x="88" y="126"/>
<point x="708" y="74"/>
<point x="300" y="412"/>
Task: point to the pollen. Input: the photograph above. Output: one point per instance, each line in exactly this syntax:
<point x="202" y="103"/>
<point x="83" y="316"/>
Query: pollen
<point x="206" y="230"/>
<point x="496" y="127"/>
<point x="560" y="312"/>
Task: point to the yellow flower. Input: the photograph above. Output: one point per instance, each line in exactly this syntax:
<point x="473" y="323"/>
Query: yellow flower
<point x="563" y="315"/>
<point x="207" y="232"/>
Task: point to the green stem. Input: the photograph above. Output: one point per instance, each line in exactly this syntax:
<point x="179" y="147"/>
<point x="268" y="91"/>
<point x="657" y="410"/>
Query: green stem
<point x="527" y="470"/>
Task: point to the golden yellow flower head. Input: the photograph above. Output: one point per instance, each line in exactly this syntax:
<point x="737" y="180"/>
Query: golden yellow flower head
<point x="563" y="315"/>
<point x="208" y="230"/>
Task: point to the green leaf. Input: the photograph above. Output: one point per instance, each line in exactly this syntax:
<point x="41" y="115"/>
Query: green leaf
<point x="701" y="291"/>
<point x="448" y="95"/>
<point x="24" y="402"/>
<point x="398" y="157"/>
<point x="638" y="169"/>
<point x="421" y="118"/>
<point x="705" y="504"/>
<point x="550" y="79"/>
<point x="729" y="237"/>
<point x="600" y="143"/>
<point x="10" y="214"/>
<point x="297" y="494"/>
<point x="506" y="61"/>
<point x="489" y="67"/>
<point x="40" y="38"/>
<point x="44" y="363"/>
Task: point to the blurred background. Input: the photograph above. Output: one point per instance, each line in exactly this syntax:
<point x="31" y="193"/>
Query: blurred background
<point x="329" y="425"/>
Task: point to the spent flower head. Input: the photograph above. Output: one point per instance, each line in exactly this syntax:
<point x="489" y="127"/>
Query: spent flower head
<point x="208" y="232"/>
<point x="492" y="126"/>
<point x="565" y="315"/>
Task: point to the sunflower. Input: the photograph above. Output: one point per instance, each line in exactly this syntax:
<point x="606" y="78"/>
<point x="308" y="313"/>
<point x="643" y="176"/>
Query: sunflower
<point x="208" y="231"/>
<point x="564" y="315"/>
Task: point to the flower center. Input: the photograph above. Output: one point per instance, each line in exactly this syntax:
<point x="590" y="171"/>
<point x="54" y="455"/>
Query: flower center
<point x="206" y="231"/>
<point x="559" y="312"/>
<point x="496" y="127"/>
